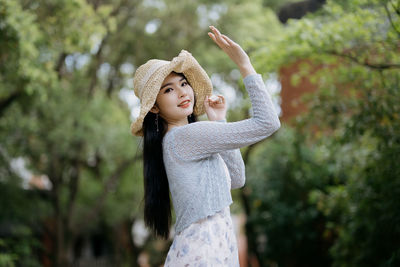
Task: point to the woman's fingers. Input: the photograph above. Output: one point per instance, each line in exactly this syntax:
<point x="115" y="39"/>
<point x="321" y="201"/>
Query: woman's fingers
<point x="218" y="42"/>
<point x="228" y="40"/>
<point x="217" y="37"/>
<point x="212" y="36"/>
<point x="215" y="100"/>
<point x="232" y="49"/>
<point x="216" y="30"/>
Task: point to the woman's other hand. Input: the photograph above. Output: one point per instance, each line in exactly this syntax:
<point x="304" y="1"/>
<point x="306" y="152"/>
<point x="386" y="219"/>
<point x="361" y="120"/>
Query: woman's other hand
<point x="233" y="50"/>
<point x="215" y="107"/>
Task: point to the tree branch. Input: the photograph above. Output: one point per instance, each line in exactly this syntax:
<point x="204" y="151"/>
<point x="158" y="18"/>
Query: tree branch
<point x="60" y="64"/>
<point x="381" y="66"/>
<point x="73" y="190"/>
<point x="396" y="9"/>
<point x="7" y="101"/>
<point x="110" y="86"/>
<point x="109" y="185"/>
<point x="98" y="61"/>
<point x="5" y="156"/>
<point x="390" y="19"/>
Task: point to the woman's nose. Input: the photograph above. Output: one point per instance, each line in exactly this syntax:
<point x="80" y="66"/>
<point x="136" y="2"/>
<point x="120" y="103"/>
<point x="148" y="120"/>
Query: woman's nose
<point x="182" y="91"/>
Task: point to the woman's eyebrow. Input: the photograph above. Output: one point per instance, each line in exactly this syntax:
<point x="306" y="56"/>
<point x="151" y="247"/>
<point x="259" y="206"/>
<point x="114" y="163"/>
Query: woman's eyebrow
<point x="183" y="78"/>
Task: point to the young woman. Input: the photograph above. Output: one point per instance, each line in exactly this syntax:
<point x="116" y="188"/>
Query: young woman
<point x="198" y="163"/>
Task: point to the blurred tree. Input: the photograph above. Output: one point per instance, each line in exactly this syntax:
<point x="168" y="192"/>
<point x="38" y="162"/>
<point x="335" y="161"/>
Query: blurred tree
<point x="51" y="119"/>
<point x="65" y="67"/>
<point x="289" y="230"/>
<point x="353" y="119"/>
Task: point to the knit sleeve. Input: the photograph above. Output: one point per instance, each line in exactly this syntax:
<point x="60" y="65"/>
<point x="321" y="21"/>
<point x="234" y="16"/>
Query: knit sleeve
<point x="234" y="162"/>
<point x="201" y="139"/>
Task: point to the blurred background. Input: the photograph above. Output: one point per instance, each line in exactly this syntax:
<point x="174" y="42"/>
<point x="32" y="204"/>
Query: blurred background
<point x="322" y="191"/>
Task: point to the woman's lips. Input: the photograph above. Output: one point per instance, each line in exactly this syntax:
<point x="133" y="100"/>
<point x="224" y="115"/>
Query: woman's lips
<point x="187" y="103"/>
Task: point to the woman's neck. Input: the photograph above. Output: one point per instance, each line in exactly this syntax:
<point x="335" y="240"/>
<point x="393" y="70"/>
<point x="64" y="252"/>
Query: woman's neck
<point x="177" y="124"/>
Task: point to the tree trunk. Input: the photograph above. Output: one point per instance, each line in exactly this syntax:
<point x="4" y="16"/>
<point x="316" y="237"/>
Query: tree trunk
<point x="60" y="253"/>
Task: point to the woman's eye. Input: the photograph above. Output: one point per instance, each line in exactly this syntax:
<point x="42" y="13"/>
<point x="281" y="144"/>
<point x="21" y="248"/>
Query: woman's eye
<point x="167" y="90"/>
<point x="184" y="83"/>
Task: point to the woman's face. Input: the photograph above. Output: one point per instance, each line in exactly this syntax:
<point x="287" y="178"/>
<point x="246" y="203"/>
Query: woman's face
<point x="175" y="101"/>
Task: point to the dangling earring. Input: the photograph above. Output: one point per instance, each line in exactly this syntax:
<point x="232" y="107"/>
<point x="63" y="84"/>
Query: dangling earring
<point x="157" y="121"/>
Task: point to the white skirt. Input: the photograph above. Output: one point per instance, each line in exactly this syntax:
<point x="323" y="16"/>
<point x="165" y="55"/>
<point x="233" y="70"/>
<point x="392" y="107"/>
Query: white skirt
<point x="209" y="242"/>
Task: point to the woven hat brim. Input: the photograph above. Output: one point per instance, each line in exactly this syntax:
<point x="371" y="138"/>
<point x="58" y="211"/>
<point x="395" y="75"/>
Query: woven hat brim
<point x="184" y="63"/>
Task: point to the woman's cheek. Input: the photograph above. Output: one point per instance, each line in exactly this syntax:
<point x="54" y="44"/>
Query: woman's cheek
<point x="167" y="103"/>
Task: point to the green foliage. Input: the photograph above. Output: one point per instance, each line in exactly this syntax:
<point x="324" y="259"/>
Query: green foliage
<point x="353" y="119"/>
<point x="282" y="176"/>
<point x="315" y="197"/>
<point x="63" y="65"/>
<point x="51" y="120"/>
<point x="335" y="31"/>
<point x="373" y="189"/>
<point x="18" y="251"/>
<point x="18" y="244"/>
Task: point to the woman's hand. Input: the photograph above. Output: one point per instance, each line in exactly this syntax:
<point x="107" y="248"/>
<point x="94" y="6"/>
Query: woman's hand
<point x="215" y="107"/>
<point x="233" y="50"/>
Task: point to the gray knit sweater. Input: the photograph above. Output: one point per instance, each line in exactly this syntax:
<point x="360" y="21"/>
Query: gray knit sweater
<point x="195" y="156"/>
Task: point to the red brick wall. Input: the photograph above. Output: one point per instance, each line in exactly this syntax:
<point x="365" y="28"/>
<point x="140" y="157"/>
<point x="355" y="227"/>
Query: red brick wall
<point x="291" y="94"/>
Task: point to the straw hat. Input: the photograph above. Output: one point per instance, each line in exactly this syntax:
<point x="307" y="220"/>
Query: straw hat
<point x="149" y="77"/>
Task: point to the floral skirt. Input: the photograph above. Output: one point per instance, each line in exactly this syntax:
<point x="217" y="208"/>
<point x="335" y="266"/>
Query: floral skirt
<point x="209" y="242"/>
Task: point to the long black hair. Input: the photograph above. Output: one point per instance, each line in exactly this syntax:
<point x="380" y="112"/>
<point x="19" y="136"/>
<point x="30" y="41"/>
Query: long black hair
<point x="157" y="203"/>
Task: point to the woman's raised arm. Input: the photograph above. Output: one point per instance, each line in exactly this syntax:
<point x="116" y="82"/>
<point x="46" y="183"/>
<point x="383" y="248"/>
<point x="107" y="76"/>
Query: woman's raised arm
<point x="234" y="51"/>
<point x="201" y="139"/>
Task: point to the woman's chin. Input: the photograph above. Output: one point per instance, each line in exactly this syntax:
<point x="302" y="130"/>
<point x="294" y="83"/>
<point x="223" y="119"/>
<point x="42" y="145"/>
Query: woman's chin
<point x="181" y="113"/>
<point x="187" y="111"/>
